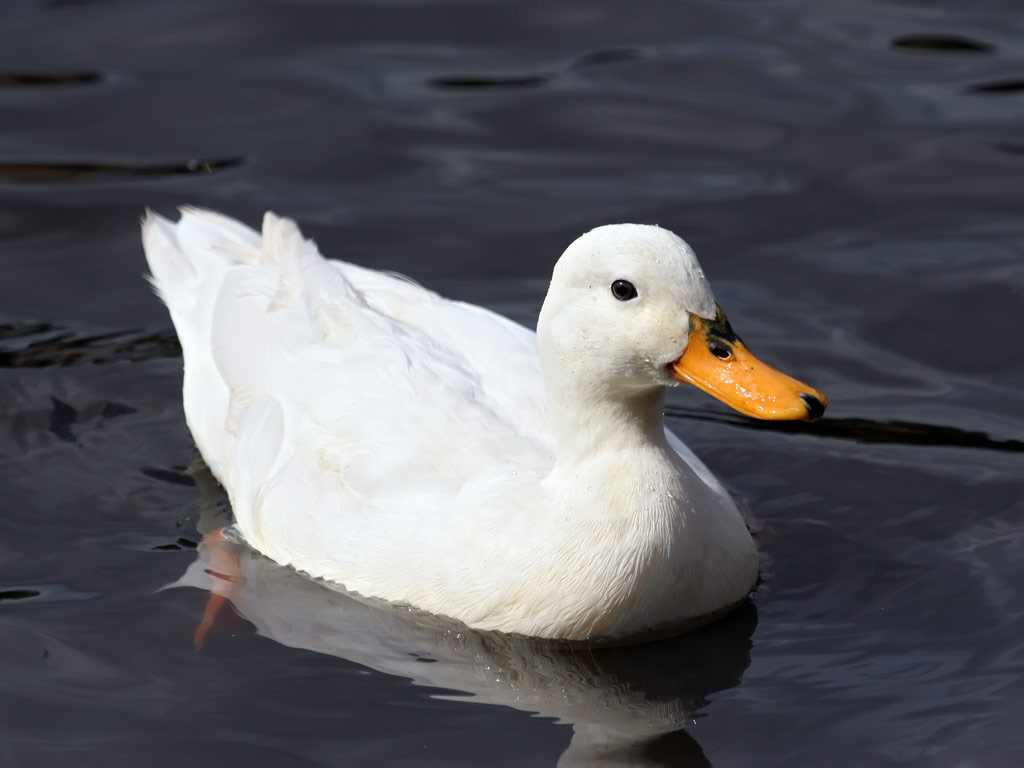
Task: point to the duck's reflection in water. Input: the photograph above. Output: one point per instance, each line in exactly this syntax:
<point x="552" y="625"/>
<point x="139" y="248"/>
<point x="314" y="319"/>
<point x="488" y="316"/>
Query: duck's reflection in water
<point x="628" y="705"/>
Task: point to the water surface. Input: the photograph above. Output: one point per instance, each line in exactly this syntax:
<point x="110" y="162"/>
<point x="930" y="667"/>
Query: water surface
<point x="850" y="175"/>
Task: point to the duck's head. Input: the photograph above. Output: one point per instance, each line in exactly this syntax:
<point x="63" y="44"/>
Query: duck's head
<point x="629" y="309"/>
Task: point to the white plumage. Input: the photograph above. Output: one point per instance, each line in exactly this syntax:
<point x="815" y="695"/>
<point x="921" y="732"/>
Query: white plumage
<point x="409" y="447"/>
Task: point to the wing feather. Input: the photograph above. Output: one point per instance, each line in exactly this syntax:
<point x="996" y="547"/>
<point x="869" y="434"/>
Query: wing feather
<point x="375" y="378"/>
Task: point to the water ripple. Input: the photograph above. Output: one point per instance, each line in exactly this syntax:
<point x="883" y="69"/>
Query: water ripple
<point x="36" y="79"/>
<point x="943" y="43"/>
<point x="38" y="345"/>
<point x="48" y="172"/>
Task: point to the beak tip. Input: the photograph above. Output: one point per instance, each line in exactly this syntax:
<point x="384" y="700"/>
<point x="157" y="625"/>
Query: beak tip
<point x="815" y="406"/>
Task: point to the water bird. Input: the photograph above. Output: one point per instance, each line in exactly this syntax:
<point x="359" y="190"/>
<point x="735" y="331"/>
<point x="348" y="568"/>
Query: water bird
<point x="431" y="452"/>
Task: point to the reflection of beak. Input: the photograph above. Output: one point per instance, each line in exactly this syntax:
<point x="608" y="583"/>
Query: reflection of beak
<point x="717" y="362"/>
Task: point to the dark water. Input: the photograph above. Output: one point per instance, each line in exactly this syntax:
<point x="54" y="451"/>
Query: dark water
<point x="852" y="176"/>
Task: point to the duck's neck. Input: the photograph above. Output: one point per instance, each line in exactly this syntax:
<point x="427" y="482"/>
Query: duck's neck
<point x="590" y="423"/>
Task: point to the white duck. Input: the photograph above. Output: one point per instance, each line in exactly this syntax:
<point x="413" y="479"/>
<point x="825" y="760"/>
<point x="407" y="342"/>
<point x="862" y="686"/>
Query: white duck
<point x="374" y="434"/>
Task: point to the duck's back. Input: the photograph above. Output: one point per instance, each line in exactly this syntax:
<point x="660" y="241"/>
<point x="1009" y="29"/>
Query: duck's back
<point x="345" y="410"/>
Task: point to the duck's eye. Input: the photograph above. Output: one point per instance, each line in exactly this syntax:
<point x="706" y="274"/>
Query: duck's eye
<point x="623" y="290"/>
<point x="719" y="350"/>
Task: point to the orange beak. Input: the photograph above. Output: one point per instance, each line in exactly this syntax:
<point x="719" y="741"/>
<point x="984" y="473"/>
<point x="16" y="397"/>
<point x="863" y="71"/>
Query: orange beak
<point x="717" y="362"/>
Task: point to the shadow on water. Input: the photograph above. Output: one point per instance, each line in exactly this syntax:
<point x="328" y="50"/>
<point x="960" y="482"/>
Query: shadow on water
<point x="18" y="594"/>
<point x="473" y="82"/>
<point x="40" y="345"/>
<point x="29" y="173"/>
<point x="38" y="79"/>
<point x="862" y="431"/>
<point x="1009" y="87"/>
<point x="942" y="43"/>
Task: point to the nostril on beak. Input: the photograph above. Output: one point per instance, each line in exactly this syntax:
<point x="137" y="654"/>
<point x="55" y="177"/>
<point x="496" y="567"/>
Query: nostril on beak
<point x="815" y="408"/>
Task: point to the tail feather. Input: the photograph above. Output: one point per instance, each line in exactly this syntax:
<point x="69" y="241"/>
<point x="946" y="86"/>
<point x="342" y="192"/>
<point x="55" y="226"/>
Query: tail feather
<point x="179" y="253"/>
<point x="242" y="303"/>
<point x="212" y="235"/>
<point x="172" y="273"/>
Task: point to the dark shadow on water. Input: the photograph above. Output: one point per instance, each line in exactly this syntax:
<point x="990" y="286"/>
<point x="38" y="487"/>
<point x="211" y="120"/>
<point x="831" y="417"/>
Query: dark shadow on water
<point x="175" y="546"/>
<point x="27" y="595"/>
<point x="476" y="82"/>
<point x="43" y="172"/>
<point x="1008" y="87"/>
<point x="38" y="79"/>
<point x="862" y="430"/>
<point x="942" y="43"/>
<point x="18" y="594"/>
<point x="169" y="476"/>
<point x="62" y="418"/>
<point x="39" y="345"/>
<point x="65" y="422"/>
